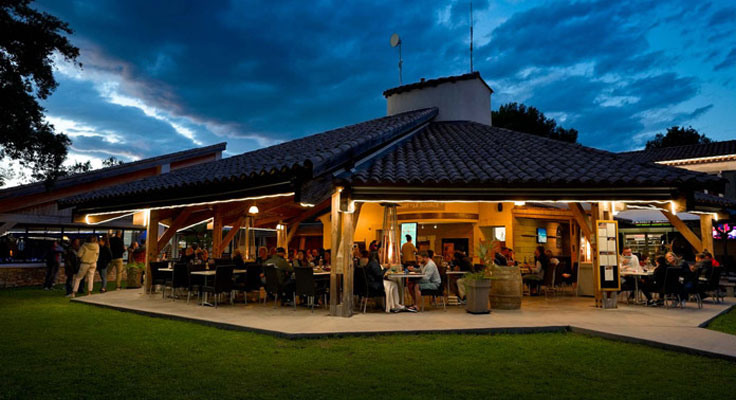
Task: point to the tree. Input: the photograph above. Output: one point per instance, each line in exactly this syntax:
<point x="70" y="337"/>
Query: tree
<point x="29" y="41"/>
<point x="521" y="118"/>
<point x="111" y="162"/>
<point x="677" y="136"/>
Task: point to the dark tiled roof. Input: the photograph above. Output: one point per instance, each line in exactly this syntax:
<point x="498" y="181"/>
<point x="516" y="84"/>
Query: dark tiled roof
<point x="685" y="152"/>
<point x="116" y="170"/>
<point x="714" y="201"/>
<point x="311" y="155"/>
<point x="434" y="82"/>
<point x="473" y="154"/>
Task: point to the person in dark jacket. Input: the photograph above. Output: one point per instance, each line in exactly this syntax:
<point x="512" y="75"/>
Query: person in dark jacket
<point x="53" y="260"/>
<point x="103" y="261"/>
<point x="374" y="272"/>
<point x="71" y="265"/>
<point x="117" y="249"/>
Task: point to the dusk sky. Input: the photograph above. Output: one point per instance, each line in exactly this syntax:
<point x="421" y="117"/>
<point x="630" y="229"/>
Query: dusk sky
<point x="160" y="77"/>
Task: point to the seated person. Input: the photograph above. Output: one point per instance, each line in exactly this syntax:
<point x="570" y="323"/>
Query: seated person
<point x="685" y="272"/>
<point x="300" y="260"/>
<point x="285" y="272"/>
<point x="569" y="274"/>
<point x="509" y="254"/>
<point x="461" y="263"/>
<point x="534" y="278"/>
<point x="430" y="281"/>
<point x="238" y="259"/>
<point x="655" y="283"/>
<point x="374" y="276"/>
<point x="629" y="262"/>
<point x="497" y="257"/>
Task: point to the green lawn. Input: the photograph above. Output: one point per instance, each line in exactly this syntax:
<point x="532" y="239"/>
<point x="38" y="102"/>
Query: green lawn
<point x="51" y="348"/>
<point x="725" y="323"/>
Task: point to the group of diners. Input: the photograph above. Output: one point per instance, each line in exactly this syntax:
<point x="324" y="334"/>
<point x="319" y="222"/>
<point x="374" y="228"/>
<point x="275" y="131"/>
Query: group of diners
<point x="669" y="276"/>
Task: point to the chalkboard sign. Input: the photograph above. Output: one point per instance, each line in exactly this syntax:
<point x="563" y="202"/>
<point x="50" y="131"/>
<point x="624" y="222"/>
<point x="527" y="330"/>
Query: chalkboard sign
<point x="607" y="240"/>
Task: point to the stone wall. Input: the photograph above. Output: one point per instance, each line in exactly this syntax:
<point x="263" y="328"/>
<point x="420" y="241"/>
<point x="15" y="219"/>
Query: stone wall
<point x="35" y="274"/>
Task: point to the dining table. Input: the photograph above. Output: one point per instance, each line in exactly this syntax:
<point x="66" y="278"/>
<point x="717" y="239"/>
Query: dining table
<point x="206" y="273"/>
<point x="637" y="274"/>
<point x="401" y="277"/>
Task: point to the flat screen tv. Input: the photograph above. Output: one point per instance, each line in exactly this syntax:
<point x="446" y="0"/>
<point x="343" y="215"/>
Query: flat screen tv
<point x="541" y="235"/>
<point x="724" y="231"/>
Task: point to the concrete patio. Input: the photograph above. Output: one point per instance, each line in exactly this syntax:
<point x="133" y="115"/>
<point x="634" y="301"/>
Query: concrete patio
<point x="674" y="329"/>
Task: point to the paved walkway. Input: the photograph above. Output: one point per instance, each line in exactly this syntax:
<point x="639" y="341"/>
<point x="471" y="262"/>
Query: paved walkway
<point x="675" y="329"/>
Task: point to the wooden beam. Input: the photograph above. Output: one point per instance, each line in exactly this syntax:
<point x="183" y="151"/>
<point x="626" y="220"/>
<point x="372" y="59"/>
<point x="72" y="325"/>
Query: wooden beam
<point x="579" y="215"/>
<point x="681" y="227"/>
<point x="311" y="212"/>
<point x="230" y="235"/>
<point x="6" y="227"/>
<point x="151" y="245"/>
<point x="706" y="232"/>
<point x="540" y="213"/>
<point x="95" y="219"/>
<point x="595" y="215"/>
<point x="171" y="231"/>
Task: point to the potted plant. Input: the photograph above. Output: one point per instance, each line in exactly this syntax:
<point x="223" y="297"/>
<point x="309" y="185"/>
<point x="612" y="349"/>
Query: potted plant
<point x="477" y="287"/>
<point x="134" y="272"/>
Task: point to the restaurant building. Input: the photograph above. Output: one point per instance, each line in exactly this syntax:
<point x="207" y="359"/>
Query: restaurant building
<point x="30" y="218"/>
<point x="436" y="164"/>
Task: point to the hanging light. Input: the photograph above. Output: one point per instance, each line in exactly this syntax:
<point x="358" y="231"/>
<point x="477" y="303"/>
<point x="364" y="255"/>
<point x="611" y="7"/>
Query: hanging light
<point x="253" y="209"/>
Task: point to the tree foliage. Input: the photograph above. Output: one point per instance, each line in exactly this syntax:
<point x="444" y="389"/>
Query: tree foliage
<point x="111" y="162"/>
<point x="29" y="42"/>
<point x="677" y="136"/>
<point x="521" y="118"/>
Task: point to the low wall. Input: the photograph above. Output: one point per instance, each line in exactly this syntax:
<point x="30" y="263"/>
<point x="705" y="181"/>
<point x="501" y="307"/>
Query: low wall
<point x="20" y="275"/>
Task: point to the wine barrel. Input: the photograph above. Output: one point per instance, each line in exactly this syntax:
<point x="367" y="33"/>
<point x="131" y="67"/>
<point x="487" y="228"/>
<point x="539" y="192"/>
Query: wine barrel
<point x="506" y="288"/>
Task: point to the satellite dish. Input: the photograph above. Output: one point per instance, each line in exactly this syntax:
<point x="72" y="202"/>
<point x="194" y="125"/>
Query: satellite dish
<point x="395" y="40"/>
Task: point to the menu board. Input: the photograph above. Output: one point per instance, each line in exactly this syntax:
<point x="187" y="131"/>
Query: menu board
<point x="608" y="272"/>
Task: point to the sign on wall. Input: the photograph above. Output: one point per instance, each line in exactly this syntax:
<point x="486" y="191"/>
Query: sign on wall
<point x="607" y="239"/>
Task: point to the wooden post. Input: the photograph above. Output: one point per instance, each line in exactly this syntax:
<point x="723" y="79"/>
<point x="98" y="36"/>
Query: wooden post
<point x="681" y="227"/>
<point x="230" y="235"/>
<point x="595" y="215"/>
<point x="151" y="245"/>
<point x="335" y="225"/>
<point x="706" y="232"/>
<point x="345" y="259"/>
<point x="217" y="233"/>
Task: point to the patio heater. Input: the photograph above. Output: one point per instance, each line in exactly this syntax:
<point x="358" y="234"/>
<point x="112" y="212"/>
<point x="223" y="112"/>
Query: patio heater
<point x="281" y="236"/>
<point x="246" y="240"/>
<point x="389" y="254"/>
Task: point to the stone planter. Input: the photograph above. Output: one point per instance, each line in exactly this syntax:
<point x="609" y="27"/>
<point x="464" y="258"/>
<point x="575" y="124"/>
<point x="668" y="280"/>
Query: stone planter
<point x="134" y="277"/>
<point x="506" y="290"/>
<point x="477" y="296"/>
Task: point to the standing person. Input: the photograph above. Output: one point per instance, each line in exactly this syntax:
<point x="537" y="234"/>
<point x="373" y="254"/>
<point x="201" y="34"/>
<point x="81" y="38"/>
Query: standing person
<point x="103" y="261"/>
<point x="408" y="253"/>
<point x="71" y="265"/>
<point x="117" y="248"/>
<point x="88" y="254"/>
<point x="131" y="252"/>
<point x="53" y="260"/>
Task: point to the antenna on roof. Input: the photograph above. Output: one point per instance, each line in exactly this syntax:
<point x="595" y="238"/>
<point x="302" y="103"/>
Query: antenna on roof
<point x="396" y="41"/>
<point x="471" y="35"/>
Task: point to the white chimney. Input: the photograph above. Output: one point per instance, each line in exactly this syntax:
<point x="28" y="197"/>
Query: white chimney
<point x="458" y="98"/>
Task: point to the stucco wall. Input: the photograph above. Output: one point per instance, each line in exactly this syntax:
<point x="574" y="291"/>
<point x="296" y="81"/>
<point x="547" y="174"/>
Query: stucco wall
<point x="468" y="100"/>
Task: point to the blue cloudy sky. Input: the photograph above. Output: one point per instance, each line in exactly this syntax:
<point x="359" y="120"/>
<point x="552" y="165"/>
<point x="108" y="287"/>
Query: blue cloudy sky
<point x="165" y="76"/>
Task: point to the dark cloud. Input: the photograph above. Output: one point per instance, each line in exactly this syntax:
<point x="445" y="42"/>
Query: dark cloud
<point x="728" y="61"/>
<point x="253" y="73"/>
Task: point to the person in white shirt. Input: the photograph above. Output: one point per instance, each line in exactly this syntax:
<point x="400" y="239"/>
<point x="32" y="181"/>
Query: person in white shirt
<point x="629" y="262"/>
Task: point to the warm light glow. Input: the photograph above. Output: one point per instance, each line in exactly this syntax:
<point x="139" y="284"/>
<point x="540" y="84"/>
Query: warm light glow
<point x="613" y="209"/>
<point x="672" y="208"/>
<point x="88" y="222"/>
<point x="307" y="205"/>
<point x="195" y="224"/>
<point x="253" y="209"/>
<point x="197" y="204"/>
<point x="146" y="216"/>
<point x="519" y="203"/>
<point x="715" y="216"/>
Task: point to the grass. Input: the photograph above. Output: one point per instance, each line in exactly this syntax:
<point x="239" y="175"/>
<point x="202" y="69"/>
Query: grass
<point x="51" y="348"/>
<point x="725" y="323"/>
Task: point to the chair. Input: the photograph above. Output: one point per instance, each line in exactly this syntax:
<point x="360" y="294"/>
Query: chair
<point x="250" y="281"/>
<point x="223" y="283"/>
<point x="158" y="277"/>
<point x="195" y="282"/>
<point x="439" y="292"/>
<point x="712" y="287"/>
<point x="273" y="286"/>
<point x="306" y="286"/>
<point x="363" y="290"/>
<point x="223" y="261"/>
<point x="672" y="287"/>
<point x="179" y="280"/>
<point x="549" y="280"/>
